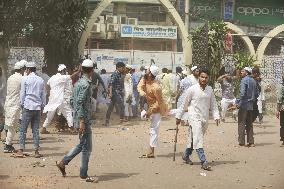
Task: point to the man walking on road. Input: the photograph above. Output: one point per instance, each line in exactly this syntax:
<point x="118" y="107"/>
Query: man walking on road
<point x="32" y="101"/>
<point x="116" y="94"/>
<point x="199" y="100"/>
<point x="150" y="88"/>
<point x="12" y="105"/>
<point x="81" y="103"/>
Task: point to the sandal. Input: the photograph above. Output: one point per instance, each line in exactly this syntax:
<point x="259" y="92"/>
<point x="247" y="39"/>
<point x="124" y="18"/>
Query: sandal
<point x="92" y="179"/>
<point x="147" y="156"/>
<point x="61" y="169"/>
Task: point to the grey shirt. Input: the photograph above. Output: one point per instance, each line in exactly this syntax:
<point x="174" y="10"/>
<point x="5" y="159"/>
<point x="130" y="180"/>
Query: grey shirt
<point x="227" y="89"/>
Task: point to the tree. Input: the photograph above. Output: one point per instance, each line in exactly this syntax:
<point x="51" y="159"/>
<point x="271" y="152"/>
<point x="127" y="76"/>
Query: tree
<point x="57" y="26"/>
<point x="12" y="21"/>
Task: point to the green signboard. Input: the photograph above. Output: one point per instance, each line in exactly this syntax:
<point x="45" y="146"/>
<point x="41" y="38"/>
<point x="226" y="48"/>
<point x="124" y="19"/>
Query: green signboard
<point x="208" y="9"/>
<point x="266" y="12"/>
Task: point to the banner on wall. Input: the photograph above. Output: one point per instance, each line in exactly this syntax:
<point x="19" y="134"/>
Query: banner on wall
<point x="161" y="59"/>
<point x="106" y="59"/>
<point x="30" y="54"/>
<point x="149" y="31"/>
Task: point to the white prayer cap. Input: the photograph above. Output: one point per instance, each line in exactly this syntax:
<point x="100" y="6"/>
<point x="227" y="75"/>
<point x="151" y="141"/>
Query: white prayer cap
<point x="30" y="65"/>
<point x="146" y="67"/>
<point x="23" y="63"/>
<point x="88" y="63"/>
<point x="128" y="66"/>
<point x="248" y="69"/>
<point x="61" y="67"/>
<point x="18" y="66"/>
<point x="193" y="68"/>
<point x="154" y="70"/>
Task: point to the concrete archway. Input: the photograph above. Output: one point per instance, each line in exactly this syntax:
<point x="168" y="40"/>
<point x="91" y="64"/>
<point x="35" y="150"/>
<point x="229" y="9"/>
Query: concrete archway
<point x="187" y="47"/>
<point x="265" y="41"/>
<point x="244" y="37"/>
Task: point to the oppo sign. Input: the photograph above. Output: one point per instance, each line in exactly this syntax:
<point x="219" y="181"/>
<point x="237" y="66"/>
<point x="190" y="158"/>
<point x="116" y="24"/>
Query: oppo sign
<point x="254" y="11"/>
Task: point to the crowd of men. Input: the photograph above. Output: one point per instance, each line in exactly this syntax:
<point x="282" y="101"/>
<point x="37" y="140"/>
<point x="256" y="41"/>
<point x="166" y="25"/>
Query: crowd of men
<point x="145" y="93"/>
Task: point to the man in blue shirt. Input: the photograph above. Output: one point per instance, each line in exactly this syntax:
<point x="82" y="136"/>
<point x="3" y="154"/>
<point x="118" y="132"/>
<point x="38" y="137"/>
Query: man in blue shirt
<point x="116" y="94"/>
<point x="33" y="98"/>
<point x="81" y="104"/>
<point x="248" y="95"/>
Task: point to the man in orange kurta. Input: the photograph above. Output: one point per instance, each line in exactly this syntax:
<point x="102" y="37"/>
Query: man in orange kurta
<point x="150" y="88"/>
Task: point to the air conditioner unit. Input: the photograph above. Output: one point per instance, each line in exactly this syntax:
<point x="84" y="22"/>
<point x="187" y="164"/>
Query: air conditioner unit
<point x="112" y="27"/>
<point x="111" y="19"/>
<point x="132" y="21"/>
<point x="111" y="35"/>
<point x="96" y="28"/>
<point x="123" y="20"/>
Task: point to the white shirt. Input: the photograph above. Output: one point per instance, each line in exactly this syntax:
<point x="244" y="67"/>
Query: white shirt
<point x="57" y="85"/>
<point x="193" y="79"/>
<point x="13" y="91"/>
<point x="199" y="102"/>
<point x="128" y="85"/>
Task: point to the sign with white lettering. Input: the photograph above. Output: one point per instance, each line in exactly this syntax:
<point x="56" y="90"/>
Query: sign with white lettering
<point x="149" y="31"/>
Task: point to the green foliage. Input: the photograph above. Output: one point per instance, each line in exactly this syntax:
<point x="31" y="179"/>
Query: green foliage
<point x="216" y="48"/>
<point x="243" y="60"/>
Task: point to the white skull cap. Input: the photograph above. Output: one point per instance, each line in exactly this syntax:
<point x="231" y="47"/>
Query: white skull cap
<point x="88" y="63"/>
<point x="154" y="70"/>
<point x="193" y="68"/>
<point x="18" y="65"/>
<point x="30" y="65"/>
<point x="248" y="69"/>
<point x="61" y="67"/>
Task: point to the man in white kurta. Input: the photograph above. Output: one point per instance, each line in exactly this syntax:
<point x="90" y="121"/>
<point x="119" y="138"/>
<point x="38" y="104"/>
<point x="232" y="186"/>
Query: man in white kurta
<point x="128" y="95"/>
<point x="199" y="100"/>
<point x="59" y="98"/>
<point x="12" y="105"/>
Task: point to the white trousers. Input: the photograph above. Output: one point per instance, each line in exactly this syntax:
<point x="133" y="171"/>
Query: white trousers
<point x="259" y="106"/>
<point x="12" y="121"/>
<point x="225" y="103"/>
<point x="10" y="134"/>
<point x="65" y="109"/>
<point x="196" y="132"/>
<point x="154" y="129"/>
<point x="128" y="110"/>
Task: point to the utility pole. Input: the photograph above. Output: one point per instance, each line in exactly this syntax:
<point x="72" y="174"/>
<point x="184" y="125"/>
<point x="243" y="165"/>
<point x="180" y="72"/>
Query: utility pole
<point x="186" y="12"/>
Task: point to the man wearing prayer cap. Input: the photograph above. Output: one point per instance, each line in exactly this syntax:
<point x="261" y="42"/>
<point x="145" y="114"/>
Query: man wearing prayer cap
<point x="32" y="99"/>
<point x="194" y="75"/>
<point x="80" y="101"/>
<point x="59" y="87"/>
<point x="248" y="95"/>
<point x="12" y="105"/>
<point x="150" y="88"/>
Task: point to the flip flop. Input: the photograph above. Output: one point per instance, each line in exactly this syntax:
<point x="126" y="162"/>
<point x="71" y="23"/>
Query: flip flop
<point x="92" y="179"/>
<point x="61" y="169"/>
<point x="147" y="156"/>
<point x="16" y="155"/>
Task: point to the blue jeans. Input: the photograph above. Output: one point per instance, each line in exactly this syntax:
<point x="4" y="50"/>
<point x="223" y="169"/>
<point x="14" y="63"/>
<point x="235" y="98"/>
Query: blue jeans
<point x="200" y="152"/>
<point x="33" y="117"/>
<point x="84" y="146"/>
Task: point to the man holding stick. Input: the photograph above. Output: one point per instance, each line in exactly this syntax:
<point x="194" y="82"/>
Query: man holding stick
<point x="199" y="99"/>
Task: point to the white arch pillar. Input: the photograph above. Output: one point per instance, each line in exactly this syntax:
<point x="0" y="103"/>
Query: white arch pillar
<point x="187" y="47"/>
<point x="265" y="41"/>
<point x="244" y="37"/>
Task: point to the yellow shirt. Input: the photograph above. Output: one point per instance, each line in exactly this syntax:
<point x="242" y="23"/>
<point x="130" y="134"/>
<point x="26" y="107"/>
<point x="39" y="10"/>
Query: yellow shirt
<point x="153" y="93"/>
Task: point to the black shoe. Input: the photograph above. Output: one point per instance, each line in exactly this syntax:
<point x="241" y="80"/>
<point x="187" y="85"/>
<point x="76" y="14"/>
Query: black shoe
<point x="9" y="149"/>
<point x="187" y="160"/>
<point x="206" y="167"/>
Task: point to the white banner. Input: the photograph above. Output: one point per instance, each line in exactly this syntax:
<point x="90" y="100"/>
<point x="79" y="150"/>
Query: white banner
<point x="106" y="59"/>
<point x="149" y="31"/>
